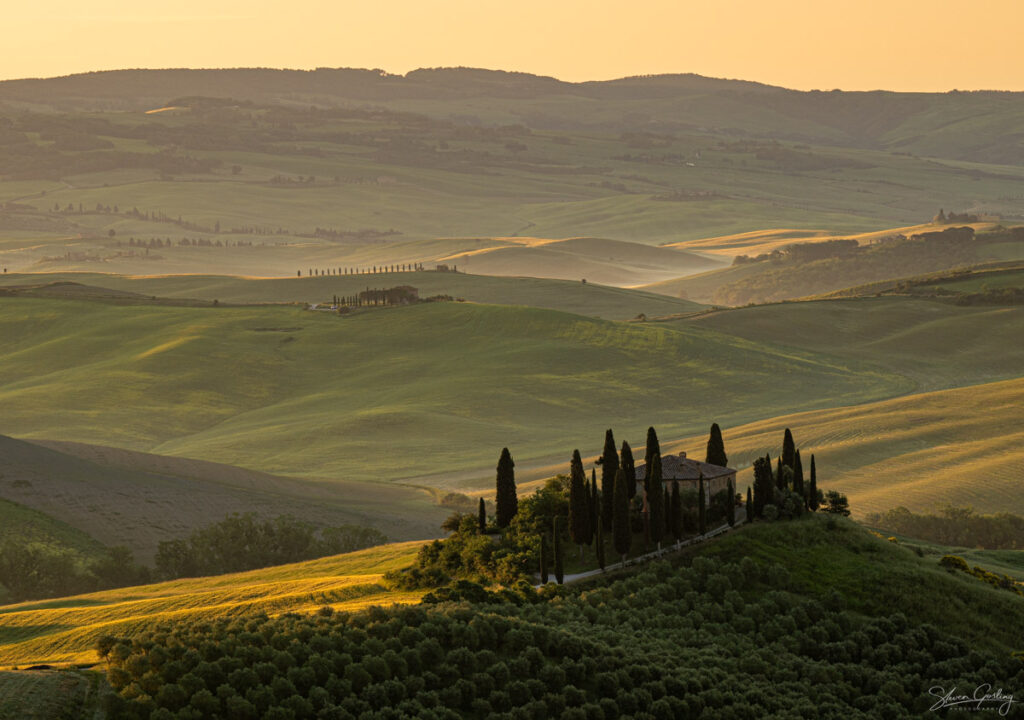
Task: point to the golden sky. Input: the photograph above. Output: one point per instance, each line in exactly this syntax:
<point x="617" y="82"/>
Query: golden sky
<point x="849" y="44"/>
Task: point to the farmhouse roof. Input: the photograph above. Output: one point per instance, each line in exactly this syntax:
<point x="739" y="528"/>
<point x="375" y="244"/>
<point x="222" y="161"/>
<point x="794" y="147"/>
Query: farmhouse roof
<point x="680" y="467"/>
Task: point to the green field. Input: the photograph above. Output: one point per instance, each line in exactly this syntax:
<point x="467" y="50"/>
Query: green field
<point x="390" y="393"/>
<point x="65" y="630"/>
<point x="588" y="299"/>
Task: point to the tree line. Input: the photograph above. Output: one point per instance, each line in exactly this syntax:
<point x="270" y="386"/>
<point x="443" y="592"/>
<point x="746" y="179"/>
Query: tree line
<point x="958" y="526"/>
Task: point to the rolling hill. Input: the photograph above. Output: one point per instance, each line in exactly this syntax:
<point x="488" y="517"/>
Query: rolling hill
<point x="65" y="630"/>
<point x="319" y="396"/>
<point x="588" y="299"/>
<point x="109" y="496"/>
<point x="959" y="447"/>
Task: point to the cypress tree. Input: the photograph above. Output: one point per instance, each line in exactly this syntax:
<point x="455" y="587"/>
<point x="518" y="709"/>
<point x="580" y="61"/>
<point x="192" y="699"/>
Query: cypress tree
<point x="731" y="512"/>
<point x="655" y="501"/>
<point x="595" y="504"/>
<point x="667" y="504"/>
<point x="780" y="476"/>
<point x="559" y="569"/>
<point x="812" y="491"/>
<point x="716" y="448"/>
<point x="749" y="509"/>
<point x="763" y="484"/>
<point x="599" y="549"/>
<point x="543" y="560"/>
<point x="622" y="534"/>
<point x="609" y="466"/>
<point x="702" y="513"/>
<point x="798" y="475"/>
<point x="482" y="517"/>
<point x="579" y="502"/>
<point x="506" y="502"/>
<point x="628" y="467"/>
<point x="788" y="449"/>
<point x="653" y="448"/>
<point x="676" y="509"/>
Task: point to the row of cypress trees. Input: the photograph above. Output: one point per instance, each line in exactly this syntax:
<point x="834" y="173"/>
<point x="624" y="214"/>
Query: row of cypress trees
<point x="788" y="476"/>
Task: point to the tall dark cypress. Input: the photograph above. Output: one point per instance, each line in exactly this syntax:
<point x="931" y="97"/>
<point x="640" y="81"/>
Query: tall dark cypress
<point x="557" y="533"/>
<point x="595" y="504"/>
<point x="764" y="485"/>
<point x="656" y="501"/>
<point x="482" y="516"/>
<point x="716" y="448"/>
<point x="599" y="547"/>
<point x="628" y="467"/>
<point x="622" y="534"/>
<point x="812" y="490"/>
<point x="749" y="509"/>
<point x="780" y="475"/>
<point x="667" y="504"/>
<point x="506" y="502"/>
<point x="653" y="448"/>
<point x="676" y="509"/>
<point x="731" y="511"/>
<point x="543" y="559"/>
<point x="702" y="511"/>
<point x="579" y="502"/>
<point x="798" y="475"/>
<point x="609" y="466"/>
<point x="788" y="449"/>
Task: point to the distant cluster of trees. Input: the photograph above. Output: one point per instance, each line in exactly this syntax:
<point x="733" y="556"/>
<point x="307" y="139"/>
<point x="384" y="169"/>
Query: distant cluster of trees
<point x="242" y="542"/>
<point x="32" y="570"/>
<point x="371" y="270"/>
<point x="957" y="563"/>
<point x="957" y="526"/>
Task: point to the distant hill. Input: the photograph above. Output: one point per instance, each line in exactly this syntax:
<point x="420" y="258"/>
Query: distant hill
<point x="118" y="497"/>
<point x="980" y="126"/>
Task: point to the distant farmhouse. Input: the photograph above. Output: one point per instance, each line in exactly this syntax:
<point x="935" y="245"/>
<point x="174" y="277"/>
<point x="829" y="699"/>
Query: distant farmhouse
<point x="688" y="472"/>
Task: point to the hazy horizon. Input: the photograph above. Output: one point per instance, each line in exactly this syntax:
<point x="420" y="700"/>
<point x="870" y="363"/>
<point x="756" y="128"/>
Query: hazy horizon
<point x="901" y="46"/>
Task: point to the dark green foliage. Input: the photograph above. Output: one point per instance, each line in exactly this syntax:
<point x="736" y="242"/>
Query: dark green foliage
<point x="656" y="501"/>
<point x="836" y="502"/>
<point x="599" y="547"/>
<point x="653" y="448"/>
<point x="798" y="475"/>
<point x="812" y="491"/>
<point x="594" y="500"/>
<point x="609" y="466"/>
<point x="30" y="570"/>
<point x="788" y="449"/>
<point x="579" y="503"/>
<point x="716" y="448"/>
<point x="712" y="639"/>
<point x="956" y="526"/>
<point x="666" y="505"/>
<point x="749" y="508"/>
<point x="556" y="534"/>
<point x="543" y="559"/>
<point x="241" y="542"/>
<point x="482" y="516"/>
<point x="506" y="502"/>
<point x="954" y="562"/>
<point x="702" y="511"/>
<point x="780" y="474"/>
<point x="676" y="512"/>
<point x="622" y="534"/>
<point x="730" y="515"/>
<point x="628" y="466"/>
<point x="763" y="485"/>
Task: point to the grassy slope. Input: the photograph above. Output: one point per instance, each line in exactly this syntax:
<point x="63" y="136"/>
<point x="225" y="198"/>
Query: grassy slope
<point x="938" y="345"/>
<point x="65" y="630"/>
<point x="612" y="303"/>
<point x="960" y="447"/>
<point x="877" y="577"/>
<point x="286" y="390"/>
<point x="82" y="496"/>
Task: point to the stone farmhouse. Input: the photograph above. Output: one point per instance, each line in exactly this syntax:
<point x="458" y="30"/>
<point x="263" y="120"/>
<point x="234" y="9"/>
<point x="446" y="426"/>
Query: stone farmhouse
<point x="688" y="472"/>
